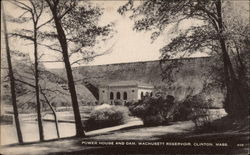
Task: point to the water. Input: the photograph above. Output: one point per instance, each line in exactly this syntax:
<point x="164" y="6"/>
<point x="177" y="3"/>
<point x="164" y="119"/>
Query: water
<point x="30" y="131"/>
<point x="29" y="126"/>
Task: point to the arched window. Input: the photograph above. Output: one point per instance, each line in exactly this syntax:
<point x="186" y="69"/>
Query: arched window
<point x="125" y="96"/>
<point x="111" y="95"/>
<point x="142" y="95"/>
<point x="118" y="95"/>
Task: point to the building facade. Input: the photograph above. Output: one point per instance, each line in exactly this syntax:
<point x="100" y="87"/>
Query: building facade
<point x="124" y="91"/>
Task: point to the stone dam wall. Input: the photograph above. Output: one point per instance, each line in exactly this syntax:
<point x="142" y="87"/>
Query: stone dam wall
<point x="188" y="78"/>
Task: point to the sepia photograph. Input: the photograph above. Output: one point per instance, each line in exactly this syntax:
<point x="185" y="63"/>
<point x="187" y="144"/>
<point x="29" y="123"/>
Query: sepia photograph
<point x="124" y="77"/>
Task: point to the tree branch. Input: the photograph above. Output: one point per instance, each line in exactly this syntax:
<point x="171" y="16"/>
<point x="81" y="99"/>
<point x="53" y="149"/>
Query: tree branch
<point x="23" y="14"/>
<point x="22" y="36"/>
<point x="50" y="47"/>
<point x="26" y="83"/>
<point x="21" y="5"/>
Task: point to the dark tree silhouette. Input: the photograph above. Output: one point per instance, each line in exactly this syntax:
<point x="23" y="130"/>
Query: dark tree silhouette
<point x="54" y="7"/>
<point x="76" y="31"/>
<point x="212" y="34"/>
<point x="80" y="25"/>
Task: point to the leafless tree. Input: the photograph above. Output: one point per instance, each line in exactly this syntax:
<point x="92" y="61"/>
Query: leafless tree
<point x="11" y="77"/>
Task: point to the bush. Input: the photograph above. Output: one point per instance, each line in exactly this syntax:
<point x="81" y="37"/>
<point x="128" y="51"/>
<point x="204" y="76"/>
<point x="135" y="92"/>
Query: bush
<point x="152" y="110"/>
<point x="118" y="102"/>
<point x="182" y="112"/>
<point x="106" y="116"/>
<point x="154" y="120"/>
<point x="198" y="108"/>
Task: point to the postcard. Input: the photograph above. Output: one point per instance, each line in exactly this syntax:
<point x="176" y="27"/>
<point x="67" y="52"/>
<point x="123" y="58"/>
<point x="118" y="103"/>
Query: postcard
<point x="125" y="77"/>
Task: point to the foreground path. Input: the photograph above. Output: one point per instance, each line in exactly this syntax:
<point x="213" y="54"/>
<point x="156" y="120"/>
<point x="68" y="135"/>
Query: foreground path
<point x="132" y="123"/>
<point x="146" y="133"/>
<point x="74" y="144"/>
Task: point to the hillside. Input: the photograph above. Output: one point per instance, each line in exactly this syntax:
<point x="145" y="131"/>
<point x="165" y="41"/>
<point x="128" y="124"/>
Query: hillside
<point x="54" y="86"/>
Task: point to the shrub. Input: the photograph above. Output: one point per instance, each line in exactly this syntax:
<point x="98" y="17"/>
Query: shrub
<point x="118" y="102"/>
<point x="106" y="116"/>
<point x="152" y="110"/>
<point x="153" y="120"/>
<point x="198" y="108"/>
<point x="182" y="112"/>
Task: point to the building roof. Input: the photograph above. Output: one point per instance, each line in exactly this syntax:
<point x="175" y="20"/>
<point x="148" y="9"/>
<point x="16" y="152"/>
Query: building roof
<point x="130" y="83"/>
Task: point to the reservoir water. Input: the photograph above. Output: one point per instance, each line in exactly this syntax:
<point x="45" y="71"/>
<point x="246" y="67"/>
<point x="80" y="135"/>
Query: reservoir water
<point x="30" y="131"/>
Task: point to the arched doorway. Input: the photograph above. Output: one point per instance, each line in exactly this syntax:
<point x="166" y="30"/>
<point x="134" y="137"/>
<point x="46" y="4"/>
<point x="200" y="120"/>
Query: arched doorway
<point x="118" y="95"/>
<point x="125" y="96"/>
<point x="111" y="96"/>
<point x="142" y="95"/>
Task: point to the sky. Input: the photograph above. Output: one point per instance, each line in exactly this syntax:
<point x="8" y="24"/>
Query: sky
<point x="127" y="45"/>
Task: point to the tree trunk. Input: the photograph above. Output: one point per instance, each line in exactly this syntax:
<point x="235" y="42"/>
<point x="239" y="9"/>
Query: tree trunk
<point x="12" y="80"/>
<point x="39" y="116"/>
<point x="63" y="42"/>
<point x="54" y="112"/>
<point x="236" y="100"/>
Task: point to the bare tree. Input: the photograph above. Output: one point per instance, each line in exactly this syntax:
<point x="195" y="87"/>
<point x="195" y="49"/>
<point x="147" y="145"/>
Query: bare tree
<point x="35" y="10"/>
<point x="12" y="79"/>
